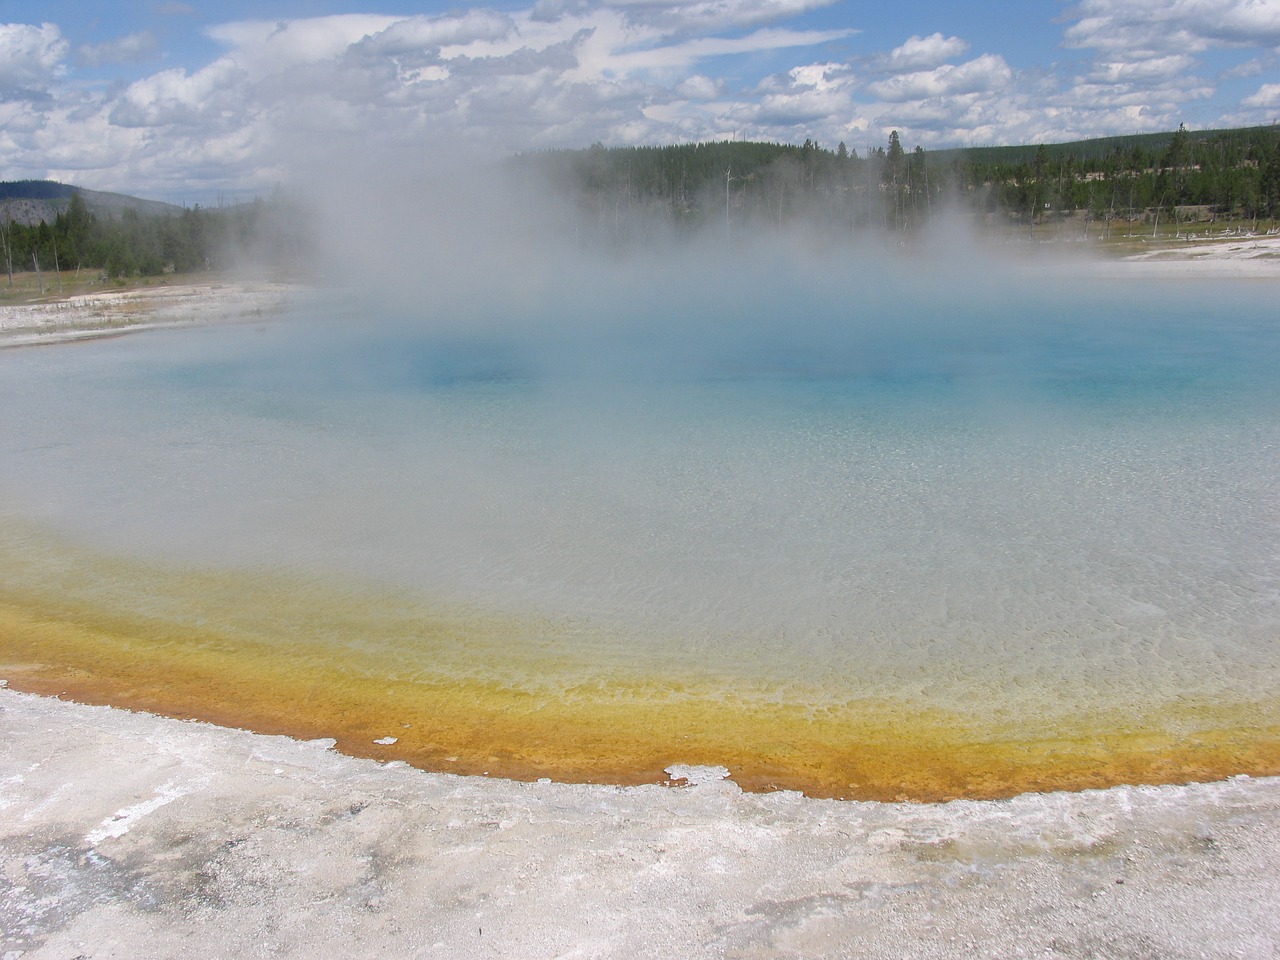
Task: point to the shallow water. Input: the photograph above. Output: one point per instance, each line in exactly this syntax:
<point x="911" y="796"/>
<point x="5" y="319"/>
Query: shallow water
<point x="1038" y="531"/>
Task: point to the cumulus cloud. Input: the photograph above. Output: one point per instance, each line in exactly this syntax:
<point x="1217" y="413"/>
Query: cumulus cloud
<point x="31" y="58"/>
<point x="1095" y="103"/>
<point x="793" y="109"/>
<point x="698" y="87"/>
<point x="1151" y="27"/>
<point x="172" y="97"/>
<point x="1267" y="96"/>
<point x="269" y="46"/>
<point x="417" y="34"/>
<point x="987" y="72"/>
<point x="819" y="76"/>
<point x="570" y="72"/>
<point x="967" y="119"/>
<point x="1148" y="53"/>
<point x="923" y="53"/>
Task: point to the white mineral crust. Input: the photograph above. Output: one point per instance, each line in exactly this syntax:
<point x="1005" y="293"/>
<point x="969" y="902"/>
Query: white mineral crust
<point x="126" y="835"/>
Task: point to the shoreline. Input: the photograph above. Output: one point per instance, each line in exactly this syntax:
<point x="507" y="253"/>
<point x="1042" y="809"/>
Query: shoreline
<point x="110" y="313"/>
<point x="1243" y="258"/>
<point x="191" y="301"/>
<point x="126" y="834"/>
<point x="529" y="723"/>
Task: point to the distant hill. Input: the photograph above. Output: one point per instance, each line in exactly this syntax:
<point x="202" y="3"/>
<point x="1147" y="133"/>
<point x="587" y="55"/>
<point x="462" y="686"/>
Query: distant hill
<point x="28" y="202"/>
<point x="1099" y="148"/>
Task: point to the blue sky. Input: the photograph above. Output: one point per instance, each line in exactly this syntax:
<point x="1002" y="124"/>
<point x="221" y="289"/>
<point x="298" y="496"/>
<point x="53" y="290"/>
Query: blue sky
<point x="185" y="99"/>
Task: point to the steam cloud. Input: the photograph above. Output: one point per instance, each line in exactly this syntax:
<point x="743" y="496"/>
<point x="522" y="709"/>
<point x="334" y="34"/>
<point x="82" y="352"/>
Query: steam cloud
<point x="497" y="253"/>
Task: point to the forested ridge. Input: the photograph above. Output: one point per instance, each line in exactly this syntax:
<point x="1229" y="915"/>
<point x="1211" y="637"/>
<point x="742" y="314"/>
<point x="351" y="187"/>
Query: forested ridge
<point x="623" y="195"/>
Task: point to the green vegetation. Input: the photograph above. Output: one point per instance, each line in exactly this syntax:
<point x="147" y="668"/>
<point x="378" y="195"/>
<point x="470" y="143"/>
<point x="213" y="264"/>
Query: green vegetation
<point x="133" y="244"/>
<point x="1229" y="174"/>
<point x="1153" y="186"/>
<point x="36" y="190"/>
<point x="703" y="184"/>
<point x="32" y="287"/>
<point x="1160" y="181"/>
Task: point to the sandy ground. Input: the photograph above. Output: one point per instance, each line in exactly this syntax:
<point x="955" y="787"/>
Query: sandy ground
<point x="1243" y="257"/>
<point x="131" y="836"/>
<point x="126" y="835"/>
<point x="110" y="312"/>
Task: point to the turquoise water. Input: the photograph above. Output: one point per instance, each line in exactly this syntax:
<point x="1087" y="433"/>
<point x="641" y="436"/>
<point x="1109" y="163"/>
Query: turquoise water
<point x="1061" y="484"/>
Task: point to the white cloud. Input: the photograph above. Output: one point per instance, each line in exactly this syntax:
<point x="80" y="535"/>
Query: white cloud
<point x="793" y="109"/>
<point x="923" y="53"/>
<point x="549" y="11"/>
<point x="968" y="119"/>
<point x="987" y="72"/>
<point x="134" y="48"/>
<point x="819" y="76"/>
<point x="172" y="97"/>
<point x="569" y="72"/>
<point x="21" y="142"/>
<point x="690" y="51"/>
<point x="1156" y="69"/>
<point x="1267" y="96"/>
<point x="1251" y="68"/>
<point x="31" y="58"/>
<point x="1150" y="27"/>
<point x="269" y="46"/>
<point x="683" y="16"/>
<point x="698" y="87"/>
<point x="430" y="33"/>
<point x="1247" y="22"/>
<point x="1148" y="55"/>
<point x="1135" y="39"/>
<point x="434" y="73"/>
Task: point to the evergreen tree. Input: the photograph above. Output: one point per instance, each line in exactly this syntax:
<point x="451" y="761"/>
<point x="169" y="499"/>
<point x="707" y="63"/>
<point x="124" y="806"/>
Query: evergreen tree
<point x="894" y="176"/>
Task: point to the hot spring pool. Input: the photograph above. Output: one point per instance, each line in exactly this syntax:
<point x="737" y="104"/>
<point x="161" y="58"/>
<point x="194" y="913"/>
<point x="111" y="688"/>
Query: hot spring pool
<point x="858" y="545"/>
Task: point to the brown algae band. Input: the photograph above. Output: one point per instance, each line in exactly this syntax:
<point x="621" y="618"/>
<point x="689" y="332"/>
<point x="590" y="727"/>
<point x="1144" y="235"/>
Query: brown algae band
<point x="456" y="693"/>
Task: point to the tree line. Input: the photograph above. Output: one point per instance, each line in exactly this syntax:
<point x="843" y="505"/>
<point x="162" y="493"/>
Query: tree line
<point x="134" y="244"/>
<point x="625" y="191"/>
<point x="622" y="192"/>
<point x="1230" y="174"/>
<point x="625" y="195"/>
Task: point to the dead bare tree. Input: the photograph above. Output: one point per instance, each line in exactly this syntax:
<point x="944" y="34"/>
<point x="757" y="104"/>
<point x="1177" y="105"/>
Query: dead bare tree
<point x="8" y="246"/>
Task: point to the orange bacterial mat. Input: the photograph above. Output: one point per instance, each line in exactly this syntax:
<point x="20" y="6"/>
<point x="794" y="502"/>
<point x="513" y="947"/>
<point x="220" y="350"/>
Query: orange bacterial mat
<point x="467" y="693"/>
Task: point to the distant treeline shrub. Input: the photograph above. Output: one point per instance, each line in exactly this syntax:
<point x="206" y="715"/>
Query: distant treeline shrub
<point x="620" y="191"/>
<point x="137" y="245"/>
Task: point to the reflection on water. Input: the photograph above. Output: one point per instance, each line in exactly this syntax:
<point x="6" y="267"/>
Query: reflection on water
<point x="876" y="553"/>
